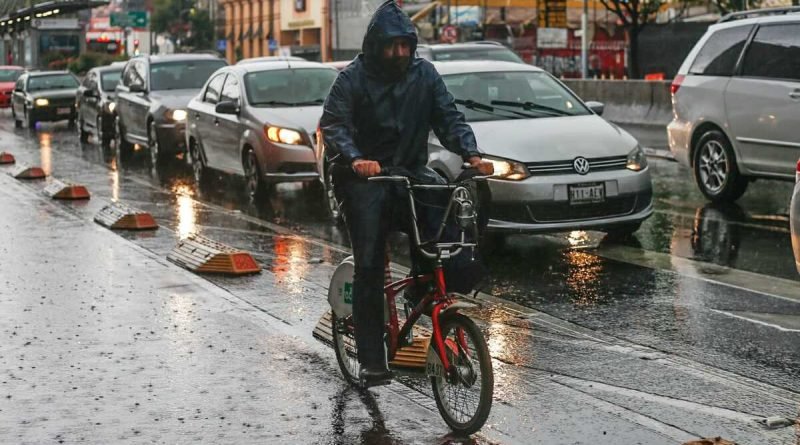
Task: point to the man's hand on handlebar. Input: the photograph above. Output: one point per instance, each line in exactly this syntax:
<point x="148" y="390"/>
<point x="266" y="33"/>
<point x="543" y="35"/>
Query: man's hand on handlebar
<point x="485" y="168"/>
<point x="365" y="168"/>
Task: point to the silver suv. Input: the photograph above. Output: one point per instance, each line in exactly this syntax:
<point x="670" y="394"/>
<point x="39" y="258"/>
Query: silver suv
<point x="736" y="103"/>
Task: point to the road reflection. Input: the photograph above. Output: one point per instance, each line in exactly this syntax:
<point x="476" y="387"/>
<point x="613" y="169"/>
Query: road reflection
<point x="186" y="213"/>
<point x="46" y="153"/>
<point x="290" y="265"/>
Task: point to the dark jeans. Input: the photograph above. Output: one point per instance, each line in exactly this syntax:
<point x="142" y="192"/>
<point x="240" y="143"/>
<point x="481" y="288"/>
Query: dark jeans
<point x="371" y="211"/>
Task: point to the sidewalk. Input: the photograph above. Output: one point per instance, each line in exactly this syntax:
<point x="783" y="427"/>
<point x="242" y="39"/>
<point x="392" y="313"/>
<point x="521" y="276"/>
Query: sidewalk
<point x="103" y="342"/>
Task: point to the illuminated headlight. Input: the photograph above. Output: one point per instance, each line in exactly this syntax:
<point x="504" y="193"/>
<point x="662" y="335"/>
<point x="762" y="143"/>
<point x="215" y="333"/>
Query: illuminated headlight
<point x="637" y="161"/>
<point x="509" y="170"/>
<point x="111" y="107"/>
<point x="42" y="102"/>
<point x="177" y="115"/>
<point x="284" y="135"/>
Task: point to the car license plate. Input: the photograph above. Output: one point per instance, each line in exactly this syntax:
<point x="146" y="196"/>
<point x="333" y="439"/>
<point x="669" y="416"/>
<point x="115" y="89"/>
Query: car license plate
<point x="64" y="110"/>
<point x="587" y="193"/>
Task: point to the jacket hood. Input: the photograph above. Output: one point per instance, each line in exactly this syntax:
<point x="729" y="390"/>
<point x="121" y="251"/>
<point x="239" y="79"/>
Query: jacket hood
<point x="388" y="22"/>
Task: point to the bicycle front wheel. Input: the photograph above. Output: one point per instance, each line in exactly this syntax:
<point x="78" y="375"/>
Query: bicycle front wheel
<point x="344" y="343"/>
<point x="465" y="400"/>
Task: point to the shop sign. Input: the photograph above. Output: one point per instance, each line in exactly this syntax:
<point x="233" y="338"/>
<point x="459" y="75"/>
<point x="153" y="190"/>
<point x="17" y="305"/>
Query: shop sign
<point x="551" y="38"/>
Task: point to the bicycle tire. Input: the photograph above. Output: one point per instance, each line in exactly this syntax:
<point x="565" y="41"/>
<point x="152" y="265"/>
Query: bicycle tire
<point x="344" y="344"/>
<point x="476" y="418"/>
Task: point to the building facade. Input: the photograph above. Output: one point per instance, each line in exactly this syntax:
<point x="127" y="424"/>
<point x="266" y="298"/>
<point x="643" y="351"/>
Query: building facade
<point x="256" y="28"/>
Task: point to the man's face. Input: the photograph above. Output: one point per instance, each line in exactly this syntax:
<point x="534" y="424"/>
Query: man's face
<point x="396" y="55"/>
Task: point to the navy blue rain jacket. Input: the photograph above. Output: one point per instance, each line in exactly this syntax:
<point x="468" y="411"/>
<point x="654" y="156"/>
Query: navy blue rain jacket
<point x="371" y="116"/>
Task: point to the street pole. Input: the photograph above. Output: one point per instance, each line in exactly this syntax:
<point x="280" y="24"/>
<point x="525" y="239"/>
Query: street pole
<point x="584" y="40"/>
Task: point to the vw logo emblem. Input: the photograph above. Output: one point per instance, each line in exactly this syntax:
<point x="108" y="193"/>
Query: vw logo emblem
<point x="581" y="165"/>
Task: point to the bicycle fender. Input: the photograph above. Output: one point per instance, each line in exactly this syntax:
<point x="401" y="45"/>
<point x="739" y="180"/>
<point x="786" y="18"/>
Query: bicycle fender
<point x="457" y="306"/>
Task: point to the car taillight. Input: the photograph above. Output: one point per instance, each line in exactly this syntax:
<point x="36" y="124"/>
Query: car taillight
<point x="676" y="84"/>
<point x="797" y="172"/>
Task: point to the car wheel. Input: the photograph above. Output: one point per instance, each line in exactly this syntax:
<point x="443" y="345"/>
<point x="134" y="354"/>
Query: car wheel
<point x="254" y="183"/>
<point x="156" y="155"/>
<point x="198" y="164"/>
<point x="622" y="232"/>
<point x="715" y="170"/>
<point x="123" y="147"/>
<point x="83" y="134"/>
<point x="331" y="203"/>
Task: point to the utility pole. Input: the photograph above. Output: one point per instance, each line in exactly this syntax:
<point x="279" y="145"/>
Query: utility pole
<point x="585" y="40"/>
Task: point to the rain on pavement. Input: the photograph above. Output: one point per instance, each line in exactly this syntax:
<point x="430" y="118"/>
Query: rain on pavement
<point x="689" y="330"/>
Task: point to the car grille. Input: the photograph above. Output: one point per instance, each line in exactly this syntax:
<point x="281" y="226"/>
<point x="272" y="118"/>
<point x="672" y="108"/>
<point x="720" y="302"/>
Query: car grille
<point x="63" y="102"/>
<point x="565" y="167"/>
<point x="297" y="167"/>
<point x="563" y="211"/>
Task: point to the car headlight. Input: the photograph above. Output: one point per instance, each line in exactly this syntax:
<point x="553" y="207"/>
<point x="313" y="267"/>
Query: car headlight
<point x="42" y="102"/>
<point x="176" y="115"/>
<point x="111" y="107"/>
<point x="509" y="170"/>
<point x="284" y="135"/>
<point x="637" y="161"/>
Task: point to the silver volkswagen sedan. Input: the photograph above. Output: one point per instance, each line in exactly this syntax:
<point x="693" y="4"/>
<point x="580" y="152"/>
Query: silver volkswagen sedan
<point x="561" y="166"/>
<point x="256" y="120"/>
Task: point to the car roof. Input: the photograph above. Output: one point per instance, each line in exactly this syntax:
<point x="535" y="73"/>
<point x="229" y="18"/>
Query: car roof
<point x="269" y="59"/>
<point x="177" y="57"/>
<point x="105" y="68"/>
<point x="481" y="66"/>
<point x="462" y="45"/>
<point x="785" y="18"/>
<point x="46" y="73"/>
<point x="11" y="67"/>
<point x="276" y="65"/>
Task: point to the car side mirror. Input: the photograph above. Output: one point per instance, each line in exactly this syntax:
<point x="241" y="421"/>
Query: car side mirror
<point x="136" y="88"/>
<point x="227" y="107"/>
<point x="596" y="107"/>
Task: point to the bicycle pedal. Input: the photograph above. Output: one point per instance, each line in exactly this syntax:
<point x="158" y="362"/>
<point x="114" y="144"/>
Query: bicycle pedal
<point x="365" y="384"/>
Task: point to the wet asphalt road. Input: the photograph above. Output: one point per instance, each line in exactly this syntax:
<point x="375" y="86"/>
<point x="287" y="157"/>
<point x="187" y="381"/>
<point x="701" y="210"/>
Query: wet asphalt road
<point x="691" y="329"/>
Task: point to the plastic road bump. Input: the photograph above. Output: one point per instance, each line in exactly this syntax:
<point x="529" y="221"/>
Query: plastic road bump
<point x="119" y="216"/>
<point x="7" y="158"/>
<point x="200" y="254"/>
<point x="61" y="190"/>
<point x="22" y="171"/>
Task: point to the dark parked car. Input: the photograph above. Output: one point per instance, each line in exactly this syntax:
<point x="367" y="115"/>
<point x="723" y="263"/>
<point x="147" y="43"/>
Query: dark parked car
<point x="44" y="96"/>
<point x="152" y="98"/>
<point x="95" y="102"/>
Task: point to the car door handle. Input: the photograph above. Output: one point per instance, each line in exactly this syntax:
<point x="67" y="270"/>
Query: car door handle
<point x="795" y="94"/>
<point x="197" y="116"/>
<point x="216" y="122"/>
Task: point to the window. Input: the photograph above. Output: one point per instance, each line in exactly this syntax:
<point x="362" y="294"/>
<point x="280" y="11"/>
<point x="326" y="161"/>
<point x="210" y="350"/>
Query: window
<point x="230" y="92"/>
<point x="20" y="84"/>
<point x="9" y="75"/>
<point x="214" y="88"/>
<point x="182" y="75"/>
<point x="521" y="87"/>
<point x="110" y="79"/>
<point x="774" y="53"/>
<point x="90" y="82"/>
<point x="286" y="87"/>
<point x="720" y="53"/>
<point x="52" y="82"/>
<point x="139" y="74"/>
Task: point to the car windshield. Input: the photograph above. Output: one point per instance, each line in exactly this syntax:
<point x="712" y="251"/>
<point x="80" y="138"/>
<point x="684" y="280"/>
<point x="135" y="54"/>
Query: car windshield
<point x="511" y="95"/>
<point x="110" y="79"/>
<point x="490" y="53"/>
<point x="289" y="87"/>
<point x="52" y="82"/>
<point x="183" y="75"/>
<point x="7" y="75"/>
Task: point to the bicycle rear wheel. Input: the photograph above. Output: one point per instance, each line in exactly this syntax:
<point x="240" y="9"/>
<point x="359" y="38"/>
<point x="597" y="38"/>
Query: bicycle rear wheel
<point x="344" y="343"/>
<point x="465" y="401"/>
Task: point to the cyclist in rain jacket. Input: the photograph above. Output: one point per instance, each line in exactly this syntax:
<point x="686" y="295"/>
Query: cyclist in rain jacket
<point x="378" y="114"/>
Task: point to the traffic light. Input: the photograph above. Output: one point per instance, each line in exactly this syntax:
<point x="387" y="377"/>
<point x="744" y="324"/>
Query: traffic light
<point x="136" y="47"/>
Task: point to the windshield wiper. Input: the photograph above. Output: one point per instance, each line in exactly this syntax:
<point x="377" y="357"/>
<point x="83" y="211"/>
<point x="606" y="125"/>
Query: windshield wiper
<point x="531" y="106"/>
<point x="480" y="106"/>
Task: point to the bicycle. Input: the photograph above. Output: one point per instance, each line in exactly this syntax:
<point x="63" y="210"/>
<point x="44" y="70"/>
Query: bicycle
<point x="454" y="355"/>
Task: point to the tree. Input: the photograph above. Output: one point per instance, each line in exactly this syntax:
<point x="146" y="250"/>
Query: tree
<point x="634" y="15"/>
<point x="728" y="6"/>
<point x="182" y="22"/>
